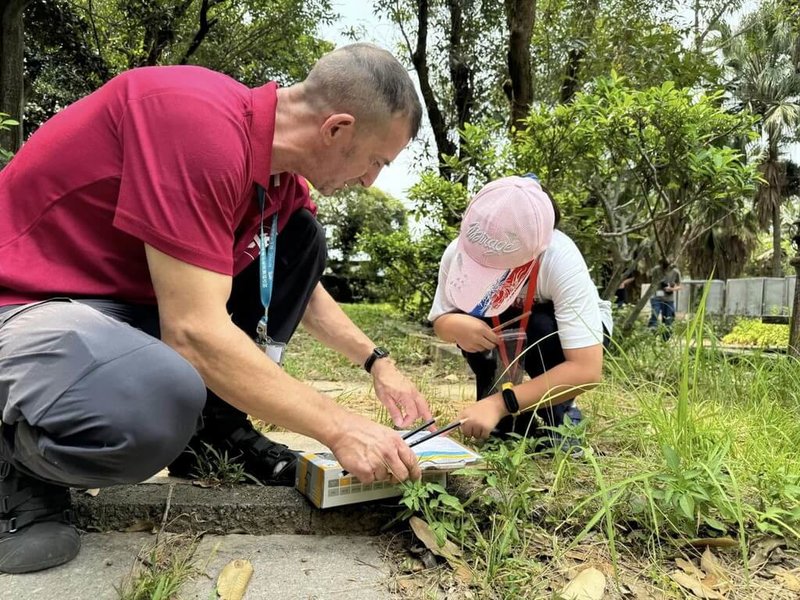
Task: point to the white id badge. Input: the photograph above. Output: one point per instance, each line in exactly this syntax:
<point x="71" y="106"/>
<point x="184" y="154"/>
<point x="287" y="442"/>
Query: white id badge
<point x="274" y="350"/>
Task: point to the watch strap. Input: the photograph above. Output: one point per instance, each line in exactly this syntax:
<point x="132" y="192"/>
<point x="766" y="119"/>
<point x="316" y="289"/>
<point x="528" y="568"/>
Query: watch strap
<point x="510" y="399"/>
<point x="377" y="353"/>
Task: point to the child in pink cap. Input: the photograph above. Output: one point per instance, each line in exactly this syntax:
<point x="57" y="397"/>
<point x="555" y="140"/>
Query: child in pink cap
<point x="508" y="259"/>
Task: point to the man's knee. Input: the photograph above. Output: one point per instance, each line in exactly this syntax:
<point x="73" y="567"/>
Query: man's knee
<point x="118" y="406"/>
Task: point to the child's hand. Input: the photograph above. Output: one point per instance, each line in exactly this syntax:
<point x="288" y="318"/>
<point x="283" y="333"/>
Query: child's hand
<point x="473" y="335"/>
<point x="483" y="416"/>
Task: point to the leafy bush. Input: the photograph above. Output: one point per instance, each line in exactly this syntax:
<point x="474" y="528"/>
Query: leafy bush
<point x="5" y="125"/>
<point x="752" y="332"/>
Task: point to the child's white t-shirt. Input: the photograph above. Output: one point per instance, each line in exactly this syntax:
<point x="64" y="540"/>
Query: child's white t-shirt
<point x="563" y="280"/>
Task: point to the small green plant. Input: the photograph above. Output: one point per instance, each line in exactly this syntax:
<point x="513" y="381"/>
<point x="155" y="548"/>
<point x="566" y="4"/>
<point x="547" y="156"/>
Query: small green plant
<point x="215" y="468"/>
<point x="161" y="569"/>
<point x="6" y="124"/>
<point x="442" y="511"/>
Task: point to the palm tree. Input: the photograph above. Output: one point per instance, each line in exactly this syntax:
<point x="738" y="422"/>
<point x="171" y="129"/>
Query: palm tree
<point x="760" y="55"/>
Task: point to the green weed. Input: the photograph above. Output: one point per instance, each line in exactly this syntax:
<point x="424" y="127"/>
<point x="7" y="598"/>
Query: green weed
<point x="161" y="569"/>
<point x="215" y="468"/>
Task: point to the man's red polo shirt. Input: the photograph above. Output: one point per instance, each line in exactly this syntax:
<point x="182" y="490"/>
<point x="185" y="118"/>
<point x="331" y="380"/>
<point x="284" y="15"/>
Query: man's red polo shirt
<point x="167" y="156"/>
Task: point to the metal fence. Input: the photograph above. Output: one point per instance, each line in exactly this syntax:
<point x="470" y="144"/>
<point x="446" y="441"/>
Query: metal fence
<point x="751" y="296"/>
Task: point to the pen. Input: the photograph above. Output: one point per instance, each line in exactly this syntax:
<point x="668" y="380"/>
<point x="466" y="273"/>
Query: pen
<point x="438" y="432"/>
<point x="425" y="425"/>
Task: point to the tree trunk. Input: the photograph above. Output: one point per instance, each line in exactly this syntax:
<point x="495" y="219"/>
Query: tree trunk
<point x="520" y="18"/>
<point x="571" y="82"/>
<point x="11" y="70"/>
<point x="202" y="31"/>
<point x="419" y="58"/>
<point x="460" y="74"/>
<point x="794" y="328"/>
<point x="777" y="252"/>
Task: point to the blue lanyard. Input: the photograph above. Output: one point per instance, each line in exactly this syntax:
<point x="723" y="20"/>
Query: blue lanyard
<point x="267" y="256"/>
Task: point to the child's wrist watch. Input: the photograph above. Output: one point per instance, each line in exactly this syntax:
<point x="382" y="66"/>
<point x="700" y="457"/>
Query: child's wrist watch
<point x="510" y="399"/>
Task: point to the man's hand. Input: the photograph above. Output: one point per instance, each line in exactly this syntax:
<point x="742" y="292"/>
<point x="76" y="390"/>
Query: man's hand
<point x="483" y="416"/>
<point x="470" y="333"/>
<point x="396" y="392"/>
<point x="373" y="452"/>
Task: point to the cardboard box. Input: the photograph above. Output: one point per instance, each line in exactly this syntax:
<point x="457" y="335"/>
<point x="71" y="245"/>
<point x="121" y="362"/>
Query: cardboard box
<point x="319" y="476"/>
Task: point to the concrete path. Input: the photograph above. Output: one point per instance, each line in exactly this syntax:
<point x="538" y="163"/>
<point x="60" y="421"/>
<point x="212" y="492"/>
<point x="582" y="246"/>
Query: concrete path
<point x="285" y="567"/>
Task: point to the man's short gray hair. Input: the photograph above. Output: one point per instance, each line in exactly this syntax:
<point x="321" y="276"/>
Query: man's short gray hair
<point x="367" y="82"/>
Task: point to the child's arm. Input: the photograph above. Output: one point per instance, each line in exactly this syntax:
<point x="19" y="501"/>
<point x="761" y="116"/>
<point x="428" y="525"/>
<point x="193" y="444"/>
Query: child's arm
<point x="470" y="333"/>
<point x="580" y="371"/>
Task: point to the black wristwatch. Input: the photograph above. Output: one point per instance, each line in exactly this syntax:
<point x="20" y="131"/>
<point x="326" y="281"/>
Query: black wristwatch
<point x="510" y="399"/>
<point x="377" y="353"/>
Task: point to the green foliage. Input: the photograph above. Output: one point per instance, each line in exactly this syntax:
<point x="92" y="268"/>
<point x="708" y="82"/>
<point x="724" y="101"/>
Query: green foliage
<point x="752" y="332"/>
<point x="443" y="512"/>
<point x="5" y="124"/>
<point x="349" y="216"/>
<point x="411" y="263"/>
<point x="73" y="46"/>
<point x="214" y="468"/>
<point x="645" y="169"/>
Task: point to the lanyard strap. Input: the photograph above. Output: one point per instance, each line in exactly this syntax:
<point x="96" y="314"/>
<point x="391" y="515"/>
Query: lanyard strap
<point x="266" y="258"/>
<point x="526" y="307"/>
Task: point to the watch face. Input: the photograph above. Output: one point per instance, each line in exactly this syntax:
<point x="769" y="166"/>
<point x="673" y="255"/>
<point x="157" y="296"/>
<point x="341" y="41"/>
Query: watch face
<point x="380" y="352"/>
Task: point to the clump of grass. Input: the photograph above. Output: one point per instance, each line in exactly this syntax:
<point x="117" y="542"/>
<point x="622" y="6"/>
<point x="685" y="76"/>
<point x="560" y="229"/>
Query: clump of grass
<point x="161" y="569"/>
<point x="215" y="468"/>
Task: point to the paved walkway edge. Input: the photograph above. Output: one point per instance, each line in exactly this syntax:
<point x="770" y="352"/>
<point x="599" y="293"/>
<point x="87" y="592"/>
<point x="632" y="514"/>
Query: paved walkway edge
<point x="247" y="509"/>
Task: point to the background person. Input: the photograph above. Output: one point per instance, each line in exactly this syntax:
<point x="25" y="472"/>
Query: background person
<point x="662" y="302"/>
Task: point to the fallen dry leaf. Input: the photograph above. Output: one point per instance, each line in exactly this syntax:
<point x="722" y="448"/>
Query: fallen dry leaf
<point x="449" y="551"/>
<point x="789" y="580"/>
<point x="202" y="483"/>
<point x="92" y="492"/>
<point x="720" y="542"/>
<point x="423" y="531"/>
<point x="712" y="566"/>
<point x="694" y="585"/>
<point x="689" y="568"/>
<point x="233" y="580"/>
<point x="589" y="584"/>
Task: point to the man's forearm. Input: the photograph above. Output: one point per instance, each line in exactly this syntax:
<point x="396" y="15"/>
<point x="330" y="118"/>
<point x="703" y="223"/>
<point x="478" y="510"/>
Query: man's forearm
<point x="327" y="322"/>
<point x="239" y="372"/>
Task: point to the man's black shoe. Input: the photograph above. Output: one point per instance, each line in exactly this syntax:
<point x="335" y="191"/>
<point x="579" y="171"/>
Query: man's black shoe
<point x="266" y="461"/>
<point x="35" y="532"/>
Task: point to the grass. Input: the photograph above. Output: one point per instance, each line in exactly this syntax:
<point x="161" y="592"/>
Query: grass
<point x="684" y="447"/>
<point x="682" y="444"/>
<point x="308" y="360"/>
<point x="161" y="569"/>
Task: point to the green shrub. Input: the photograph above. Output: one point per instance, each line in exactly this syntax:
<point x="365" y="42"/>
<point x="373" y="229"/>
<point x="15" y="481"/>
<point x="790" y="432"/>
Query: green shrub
<point x="752" y="332"/>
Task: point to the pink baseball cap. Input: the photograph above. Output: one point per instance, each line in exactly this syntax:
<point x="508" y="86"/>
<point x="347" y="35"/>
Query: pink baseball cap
<point x="506" y="226"/>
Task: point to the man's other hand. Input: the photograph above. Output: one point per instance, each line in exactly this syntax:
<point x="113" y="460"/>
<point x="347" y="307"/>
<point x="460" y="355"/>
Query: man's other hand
<point x="396" y="392"/>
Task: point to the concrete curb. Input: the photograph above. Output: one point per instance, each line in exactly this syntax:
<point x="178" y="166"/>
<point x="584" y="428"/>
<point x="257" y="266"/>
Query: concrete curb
<point x="247" y="509"/>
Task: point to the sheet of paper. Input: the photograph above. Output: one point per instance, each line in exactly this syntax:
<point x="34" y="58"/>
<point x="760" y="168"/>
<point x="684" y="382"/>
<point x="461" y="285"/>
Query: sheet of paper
<point x="442" y="452"/>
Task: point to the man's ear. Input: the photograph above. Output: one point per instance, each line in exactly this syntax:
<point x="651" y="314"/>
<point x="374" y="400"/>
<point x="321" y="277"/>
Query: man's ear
<point x="337" y="128"/>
